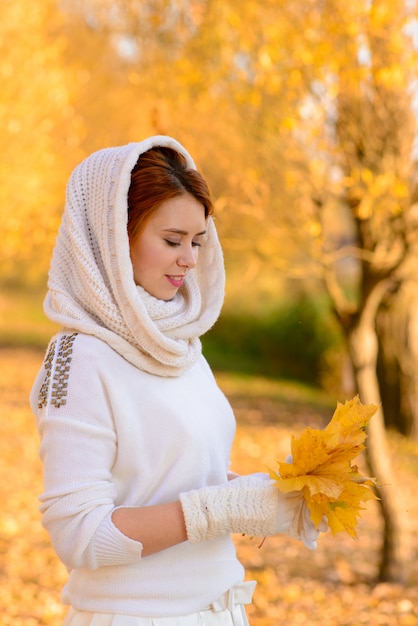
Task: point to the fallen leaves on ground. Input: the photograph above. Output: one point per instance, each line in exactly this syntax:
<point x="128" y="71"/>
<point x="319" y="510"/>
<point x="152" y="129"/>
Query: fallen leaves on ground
<point x="334" y="585"/>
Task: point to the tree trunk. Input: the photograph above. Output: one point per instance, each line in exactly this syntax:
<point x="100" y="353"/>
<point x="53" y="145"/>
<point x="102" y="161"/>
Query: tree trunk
<point x="363" y="347"/>
<point x="397" y="329"/>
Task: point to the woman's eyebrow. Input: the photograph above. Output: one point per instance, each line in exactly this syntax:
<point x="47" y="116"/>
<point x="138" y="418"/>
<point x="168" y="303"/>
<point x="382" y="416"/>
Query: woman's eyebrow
<point x="182" y="232"/>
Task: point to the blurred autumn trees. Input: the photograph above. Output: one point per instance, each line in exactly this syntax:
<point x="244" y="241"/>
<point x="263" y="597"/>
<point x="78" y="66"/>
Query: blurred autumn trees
<point x="36" y="107"/>
<point x="301" y="115"/>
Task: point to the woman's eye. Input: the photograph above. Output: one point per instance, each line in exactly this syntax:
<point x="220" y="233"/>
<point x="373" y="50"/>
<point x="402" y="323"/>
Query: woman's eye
<point x="196" y="244"/>
<point x="173" y="244"/>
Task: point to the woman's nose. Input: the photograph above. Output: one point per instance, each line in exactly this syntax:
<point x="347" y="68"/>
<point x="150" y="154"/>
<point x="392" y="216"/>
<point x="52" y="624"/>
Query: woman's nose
<point x="188" y="257"/>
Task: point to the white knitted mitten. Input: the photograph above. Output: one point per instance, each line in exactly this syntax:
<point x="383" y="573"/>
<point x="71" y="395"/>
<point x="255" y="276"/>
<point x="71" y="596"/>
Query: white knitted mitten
<point x="303" y="528"/>
<point x="251" y="505"/>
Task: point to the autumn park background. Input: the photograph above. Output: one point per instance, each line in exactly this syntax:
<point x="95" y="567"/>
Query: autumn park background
<point x="303" y="118"/>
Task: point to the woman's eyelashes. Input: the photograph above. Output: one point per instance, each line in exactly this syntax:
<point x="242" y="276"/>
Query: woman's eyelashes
<point x="173" y="244"/>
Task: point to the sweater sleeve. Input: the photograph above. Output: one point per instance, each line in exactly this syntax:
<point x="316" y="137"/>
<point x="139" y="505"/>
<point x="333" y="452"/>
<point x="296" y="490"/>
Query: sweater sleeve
<point x="78" y="449"/>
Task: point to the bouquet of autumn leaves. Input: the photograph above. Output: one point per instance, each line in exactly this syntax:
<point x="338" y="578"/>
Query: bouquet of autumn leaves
<point x="322" y="468"/>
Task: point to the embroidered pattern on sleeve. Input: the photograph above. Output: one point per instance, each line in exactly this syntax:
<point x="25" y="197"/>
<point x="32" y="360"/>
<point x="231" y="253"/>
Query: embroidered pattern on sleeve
<point x="61" y="374"/>
<point x="43" y="392"/>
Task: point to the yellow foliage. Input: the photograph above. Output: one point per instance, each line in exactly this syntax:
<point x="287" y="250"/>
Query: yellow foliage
<point x="321" y="467"/>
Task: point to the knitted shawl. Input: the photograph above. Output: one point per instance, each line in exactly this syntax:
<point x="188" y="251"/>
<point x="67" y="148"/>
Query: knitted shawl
<point x="91" y="283"/>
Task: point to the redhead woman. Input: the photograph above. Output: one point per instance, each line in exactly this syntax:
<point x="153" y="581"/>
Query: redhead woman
<point x="139" y="499"/>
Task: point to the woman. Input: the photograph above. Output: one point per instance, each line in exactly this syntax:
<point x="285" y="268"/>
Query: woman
<point x="135" y="434"/>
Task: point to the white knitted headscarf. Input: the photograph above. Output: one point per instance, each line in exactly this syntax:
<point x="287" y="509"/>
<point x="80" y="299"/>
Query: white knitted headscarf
<point x="91" y="282"/>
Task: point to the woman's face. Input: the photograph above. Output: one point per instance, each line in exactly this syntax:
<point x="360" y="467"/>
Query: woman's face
<point x="168" y="246"/>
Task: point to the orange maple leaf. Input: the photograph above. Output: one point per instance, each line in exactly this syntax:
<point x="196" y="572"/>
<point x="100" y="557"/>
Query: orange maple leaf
<point x="321" y="467"/>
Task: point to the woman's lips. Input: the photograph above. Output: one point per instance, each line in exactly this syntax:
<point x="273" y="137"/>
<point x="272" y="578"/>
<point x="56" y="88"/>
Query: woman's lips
<point x="176" y="281"/>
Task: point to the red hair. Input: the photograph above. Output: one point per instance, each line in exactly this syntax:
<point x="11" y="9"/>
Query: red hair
<point x="159" y="175"/>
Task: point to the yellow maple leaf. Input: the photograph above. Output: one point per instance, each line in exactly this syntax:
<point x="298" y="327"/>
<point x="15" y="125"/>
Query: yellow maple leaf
<point x="322" y="467"/>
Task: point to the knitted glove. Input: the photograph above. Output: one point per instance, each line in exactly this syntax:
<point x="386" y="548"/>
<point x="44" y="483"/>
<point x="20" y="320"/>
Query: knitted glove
<point x="304" y="529"/>
<point x="251" y="505"/>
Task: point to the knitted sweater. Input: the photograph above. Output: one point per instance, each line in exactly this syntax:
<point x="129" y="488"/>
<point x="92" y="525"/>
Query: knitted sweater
<point x="114" y="435"/>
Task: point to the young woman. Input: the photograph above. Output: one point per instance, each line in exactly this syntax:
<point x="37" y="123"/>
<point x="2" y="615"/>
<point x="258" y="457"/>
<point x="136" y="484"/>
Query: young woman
<point x="135" y="434"/>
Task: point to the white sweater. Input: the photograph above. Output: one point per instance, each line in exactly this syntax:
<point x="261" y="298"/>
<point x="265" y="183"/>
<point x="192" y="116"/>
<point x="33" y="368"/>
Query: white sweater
<point x="113" y="435"/>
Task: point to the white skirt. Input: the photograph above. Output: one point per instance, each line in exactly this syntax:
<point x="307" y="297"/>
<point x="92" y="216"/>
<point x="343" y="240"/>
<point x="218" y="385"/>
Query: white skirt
<point x="228" y="610"/>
